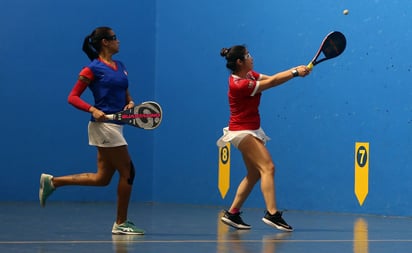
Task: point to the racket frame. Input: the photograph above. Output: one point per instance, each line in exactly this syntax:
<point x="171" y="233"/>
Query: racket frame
<point x="132" y="116"/>
<point x="314" y="61"/>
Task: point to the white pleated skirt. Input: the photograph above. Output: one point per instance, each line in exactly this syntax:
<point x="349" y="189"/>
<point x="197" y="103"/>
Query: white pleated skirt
<point x="235" y="137"/>
<point x="103" y="134"/>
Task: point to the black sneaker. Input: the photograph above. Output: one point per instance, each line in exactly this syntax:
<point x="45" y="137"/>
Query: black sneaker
<point x="234" y="220"/>
<point x="276" y="221"/>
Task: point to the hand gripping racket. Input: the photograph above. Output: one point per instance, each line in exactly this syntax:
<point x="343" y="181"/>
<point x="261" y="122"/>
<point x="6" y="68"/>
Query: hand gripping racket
<point x="146" y="115"/>
<point x="332" y="45"/>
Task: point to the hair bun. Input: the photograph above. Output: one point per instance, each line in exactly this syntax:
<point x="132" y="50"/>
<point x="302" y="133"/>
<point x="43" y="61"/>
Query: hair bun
<point x="224" y="51"/>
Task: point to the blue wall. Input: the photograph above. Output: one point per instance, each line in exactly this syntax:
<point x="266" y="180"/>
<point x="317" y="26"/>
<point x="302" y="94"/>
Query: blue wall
<point x="41" y="59"/>
<point x="171" y="49"/>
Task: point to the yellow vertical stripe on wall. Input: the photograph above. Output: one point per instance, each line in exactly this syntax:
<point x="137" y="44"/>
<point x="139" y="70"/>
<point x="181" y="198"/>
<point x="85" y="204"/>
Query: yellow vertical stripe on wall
<point x="361" y="171"/>
<point x="224" y="170"/>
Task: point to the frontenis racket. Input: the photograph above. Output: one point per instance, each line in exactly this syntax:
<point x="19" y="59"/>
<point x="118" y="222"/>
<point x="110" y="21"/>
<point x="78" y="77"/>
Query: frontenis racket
<point x="146" y="115"/>
<point x="332" y="45"/>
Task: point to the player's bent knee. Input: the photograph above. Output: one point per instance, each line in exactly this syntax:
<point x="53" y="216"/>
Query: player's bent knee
<point x="102" y="181"/>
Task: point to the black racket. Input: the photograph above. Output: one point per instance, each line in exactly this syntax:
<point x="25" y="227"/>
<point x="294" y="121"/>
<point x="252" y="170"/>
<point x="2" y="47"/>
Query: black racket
<point x="332" y="45"/>
<point x="146" y="115"/>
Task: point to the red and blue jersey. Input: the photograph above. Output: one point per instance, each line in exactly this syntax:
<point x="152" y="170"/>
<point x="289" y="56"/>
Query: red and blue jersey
<point x="108" y="85"/>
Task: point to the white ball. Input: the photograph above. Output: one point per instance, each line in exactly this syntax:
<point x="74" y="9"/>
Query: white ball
<point x="345" y="12"/>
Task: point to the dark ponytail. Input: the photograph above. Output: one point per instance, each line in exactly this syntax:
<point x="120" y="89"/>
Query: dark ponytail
<point x="89" y="49"/>
<point x="232" y="54"/>
<point x="92" y="44"/>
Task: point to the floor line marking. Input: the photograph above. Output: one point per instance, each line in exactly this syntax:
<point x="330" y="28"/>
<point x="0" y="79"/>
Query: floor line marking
<point x="199" y="241"/>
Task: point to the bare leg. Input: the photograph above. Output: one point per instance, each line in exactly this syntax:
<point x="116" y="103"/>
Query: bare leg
<point x="259" y="165"/>
<point x="120" y="159"/>
<point x="108" y="160"/>
<point x="102" y="177"/>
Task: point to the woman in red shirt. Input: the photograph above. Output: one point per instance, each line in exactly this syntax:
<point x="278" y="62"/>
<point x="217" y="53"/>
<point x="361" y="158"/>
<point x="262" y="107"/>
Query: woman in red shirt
<point x="244" y="132"/>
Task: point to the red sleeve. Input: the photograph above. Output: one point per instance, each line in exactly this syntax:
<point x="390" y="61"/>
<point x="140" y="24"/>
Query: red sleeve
<point x="79" y="87"/>
<point x="242" y="87"/>
<point x="256" y="75"/>
<point x="87" y="72"/>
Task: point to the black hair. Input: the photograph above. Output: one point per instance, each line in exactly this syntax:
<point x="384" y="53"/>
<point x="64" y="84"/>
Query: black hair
<point x="92" y="44"/>
<point x="232" y="54"/>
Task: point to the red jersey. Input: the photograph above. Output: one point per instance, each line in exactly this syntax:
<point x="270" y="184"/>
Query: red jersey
<point x="244" y="102"/>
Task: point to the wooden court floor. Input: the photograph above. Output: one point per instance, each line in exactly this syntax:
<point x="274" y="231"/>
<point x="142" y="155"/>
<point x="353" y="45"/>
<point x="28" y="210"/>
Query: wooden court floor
<point x="86" y="227"/>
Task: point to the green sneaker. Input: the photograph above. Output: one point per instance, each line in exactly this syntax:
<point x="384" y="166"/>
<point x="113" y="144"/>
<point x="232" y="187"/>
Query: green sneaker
<point x="46" y="188"/>
<point x="126" y="228"/>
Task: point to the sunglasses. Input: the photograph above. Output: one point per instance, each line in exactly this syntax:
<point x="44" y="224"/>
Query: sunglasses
<point x="248" y="55"/>
<point x="112" y="37"/>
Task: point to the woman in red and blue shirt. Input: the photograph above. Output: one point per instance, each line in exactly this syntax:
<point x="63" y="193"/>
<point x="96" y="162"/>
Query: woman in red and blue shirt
<point x="107" y="79"/>
<point x="245" y="133"/>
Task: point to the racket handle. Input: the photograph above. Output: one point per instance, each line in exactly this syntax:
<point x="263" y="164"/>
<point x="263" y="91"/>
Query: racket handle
<point x="310" y="66"/>
<point x="110" y="116"/>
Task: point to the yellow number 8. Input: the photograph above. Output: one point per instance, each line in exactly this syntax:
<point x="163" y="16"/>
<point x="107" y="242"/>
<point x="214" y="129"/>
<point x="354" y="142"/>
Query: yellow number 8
<point x="224" y="155"/>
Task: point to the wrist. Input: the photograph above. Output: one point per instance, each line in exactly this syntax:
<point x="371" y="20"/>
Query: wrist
<point x="295" y="72"/>
<point x="131" y="102"/>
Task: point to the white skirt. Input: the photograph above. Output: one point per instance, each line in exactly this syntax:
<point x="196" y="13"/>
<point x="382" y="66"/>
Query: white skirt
<point x="103" y="134"/>
<point x="235" y="137"/>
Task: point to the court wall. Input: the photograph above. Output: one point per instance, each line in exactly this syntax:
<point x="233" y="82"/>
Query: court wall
<point x="171" y="50"/>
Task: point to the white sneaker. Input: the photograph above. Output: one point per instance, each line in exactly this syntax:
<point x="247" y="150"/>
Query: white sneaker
<point x="46" y="188"/>
<point x="126" y="228"/>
